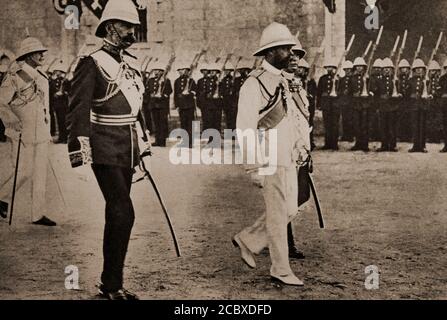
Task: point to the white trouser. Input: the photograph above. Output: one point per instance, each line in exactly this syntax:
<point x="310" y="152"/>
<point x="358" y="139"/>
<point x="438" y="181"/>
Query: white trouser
<point x="33" y="169"/>
<point x="270" y="230"/>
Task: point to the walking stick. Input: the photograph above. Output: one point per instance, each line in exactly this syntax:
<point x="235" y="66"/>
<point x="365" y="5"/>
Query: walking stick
<point x="163" y="206"/>
<point x="15" y="179"/>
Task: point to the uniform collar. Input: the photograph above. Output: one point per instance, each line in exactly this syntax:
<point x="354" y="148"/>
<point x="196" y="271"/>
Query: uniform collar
<point x="269" y="68"/>
<point x="32" y="72"/>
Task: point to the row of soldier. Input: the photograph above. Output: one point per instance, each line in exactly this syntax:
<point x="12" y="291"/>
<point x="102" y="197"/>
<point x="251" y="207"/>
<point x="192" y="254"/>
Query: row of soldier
<point x="381" y="114"/>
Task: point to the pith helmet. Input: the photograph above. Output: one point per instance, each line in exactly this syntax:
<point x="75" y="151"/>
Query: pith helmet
<point x="245" y="64"/>
<point x="229" y="66"/>
<point x="204" y="67"/>
<point x="298" y="50"/>
<point x="275" y="35"/>
<point x="183" y="66"/>
<point x="418" y="63"/>
<point x="123" y="10"/>
<point x="30" y="45"/>
<point x="347" y="65"/>
<point x="359" y="61"/>
<point x="445" y="64"/>
<point x="387" y="63"/>
<point x="303" y="64"/>
<point x="377" y="63"/>
<point x="404" y="64"/>
<point x="330" y="62"/>
<point x="434" y="65"/>
<point x="213" y="67"/>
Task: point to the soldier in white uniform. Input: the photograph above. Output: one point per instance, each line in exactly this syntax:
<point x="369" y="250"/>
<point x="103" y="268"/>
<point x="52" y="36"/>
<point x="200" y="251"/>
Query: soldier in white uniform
<point x="24" y="107"/>
<point x="266" y="103"/>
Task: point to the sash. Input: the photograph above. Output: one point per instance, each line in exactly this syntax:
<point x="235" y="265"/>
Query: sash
<point x="129" y="81"/>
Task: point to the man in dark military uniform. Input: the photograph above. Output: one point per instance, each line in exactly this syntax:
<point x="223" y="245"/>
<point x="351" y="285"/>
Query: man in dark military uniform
<point x="374" y="83"/>
<point x="243" y="71"/>
<point x="361" y="105"/>
<point x="227" y="92"/>
<point x="326" y="102"/>
<point x="185" y="89"/>
<point x="404" y="122"/>
<point x="146" y="101"/>
<point x="434" y="117"/>
<point x="443" y="102"/>
<point x="387" y="108"/>
<point x="345" y="102"/>
<point x="105" y="104"/>
<point x="59" y="87"/>
<point x="310" y="86"/>
<point x="418" y="106"/>
<point x="203" y="91"/>
<point x="159" y="92"/>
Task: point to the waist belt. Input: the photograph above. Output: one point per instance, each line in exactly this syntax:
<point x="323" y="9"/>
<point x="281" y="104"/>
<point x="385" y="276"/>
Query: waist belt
<point x="112" y="120"/>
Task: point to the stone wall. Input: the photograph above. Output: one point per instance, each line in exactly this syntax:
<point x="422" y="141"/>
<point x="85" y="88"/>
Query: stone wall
<point x="183" y="25"/>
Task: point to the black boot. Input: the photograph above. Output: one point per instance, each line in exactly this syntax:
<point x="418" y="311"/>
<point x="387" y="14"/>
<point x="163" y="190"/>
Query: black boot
<point x="294" y="253"/>
<point x="3" y="209"/>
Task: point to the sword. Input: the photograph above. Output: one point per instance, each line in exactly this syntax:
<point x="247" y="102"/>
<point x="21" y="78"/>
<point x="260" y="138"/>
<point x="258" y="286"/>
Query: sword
<point x="163" y="206"/>
<point x="317" y="201"/>
<point x="16" y="171"/>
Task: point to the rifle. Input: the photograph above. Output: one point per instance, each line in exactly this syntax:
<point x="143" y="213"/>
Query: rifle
<point x="345" y="53"/>
<point x="163" y="78"/>
<point x="192" y="68"/>
<point x="425" y="94"/>
<point x="399" y="54"/>
<point x="216" y="94"/>
<point x="393" y="51"/>
<point x="367" y="49"/>
<point x="365" y="92"/>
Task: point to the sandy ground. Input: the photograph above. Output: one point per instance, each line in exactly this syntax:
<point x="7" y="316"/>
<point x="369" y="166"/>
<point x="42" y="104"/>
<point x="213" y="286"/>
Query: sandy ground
<point x="387" y="210"/>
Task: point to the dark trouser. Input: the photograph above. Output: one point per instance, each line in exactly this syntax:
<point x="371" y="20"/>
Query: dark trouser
<point x="303" y="185"/>
<point x="61" y="109"/>
<point x="388" y="122"/>
<point x="52" y="118"/>
<point x="2" y="131"/>
<point x="230" y="116"/>
<point x="331" y="118"/>
<point x="187" y="116"/>
<point x="147" y="117"/>
<point x="347" y="117"/>
<point x="216" y="115"/>
<point x="404" y="131"/>
<point x="115" y="184"/>
<point x="311" y="123"/>
<point x="374" y="120"/>
<point x="434" y="121"/>
<point x="160" y="118"/>
<point x="418" y="124"/>
<point x="361" y="123"/>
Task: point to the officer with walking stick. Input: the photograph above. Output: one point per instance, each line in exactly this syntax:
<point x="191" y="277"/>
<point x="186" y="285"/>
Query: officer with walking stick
<point x="24" y="109"/>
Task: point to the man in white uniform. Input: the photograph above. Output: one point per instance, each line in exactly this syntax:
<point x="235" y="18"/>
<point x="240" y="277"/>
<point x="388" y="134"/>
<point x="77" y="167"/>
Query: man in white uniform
<point x="266" y="105"/>
<point x="24" y="108"/>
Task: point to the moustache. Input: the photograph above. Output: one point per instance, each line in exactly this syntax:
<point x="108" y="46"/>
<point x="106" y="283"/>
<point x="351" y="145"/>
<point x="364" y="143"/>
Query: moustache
<point x="130" y="38"/>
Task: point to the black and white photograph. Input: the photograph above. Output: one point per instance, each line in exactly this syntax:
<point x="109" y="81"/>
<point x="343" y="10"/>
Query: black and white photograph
<point x="223" y="150"/>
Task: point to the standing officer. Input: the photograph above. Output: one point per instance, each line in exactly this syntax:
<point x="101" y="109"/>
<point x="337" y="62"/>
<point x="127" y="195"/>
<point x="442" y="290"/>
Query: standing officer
<point x="24" y="108"/>
<point x="266" y="103"/>
<point x="345" y="102"/>
<point x="326" y="102"/>
<point x="404" y="121"/>
<point x="443" y="102"/>
<point x="243" y="71"/>
<point x="361" y="105"/>
<point x="387" y="108"/>
<point x="434" y="126"/>
<point x="214" y="98"/>
<point x="105" y="103"/>
<point x="159" y="92"/>
<point x="185" y="89"/>
<point x="374" y="82"/>
<point x="229" y="102"/>
<point x="59" y="98"/>
<point x="310" y="86"/>
<point x="203" y="92"/>
<point x="418" y="106"/>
